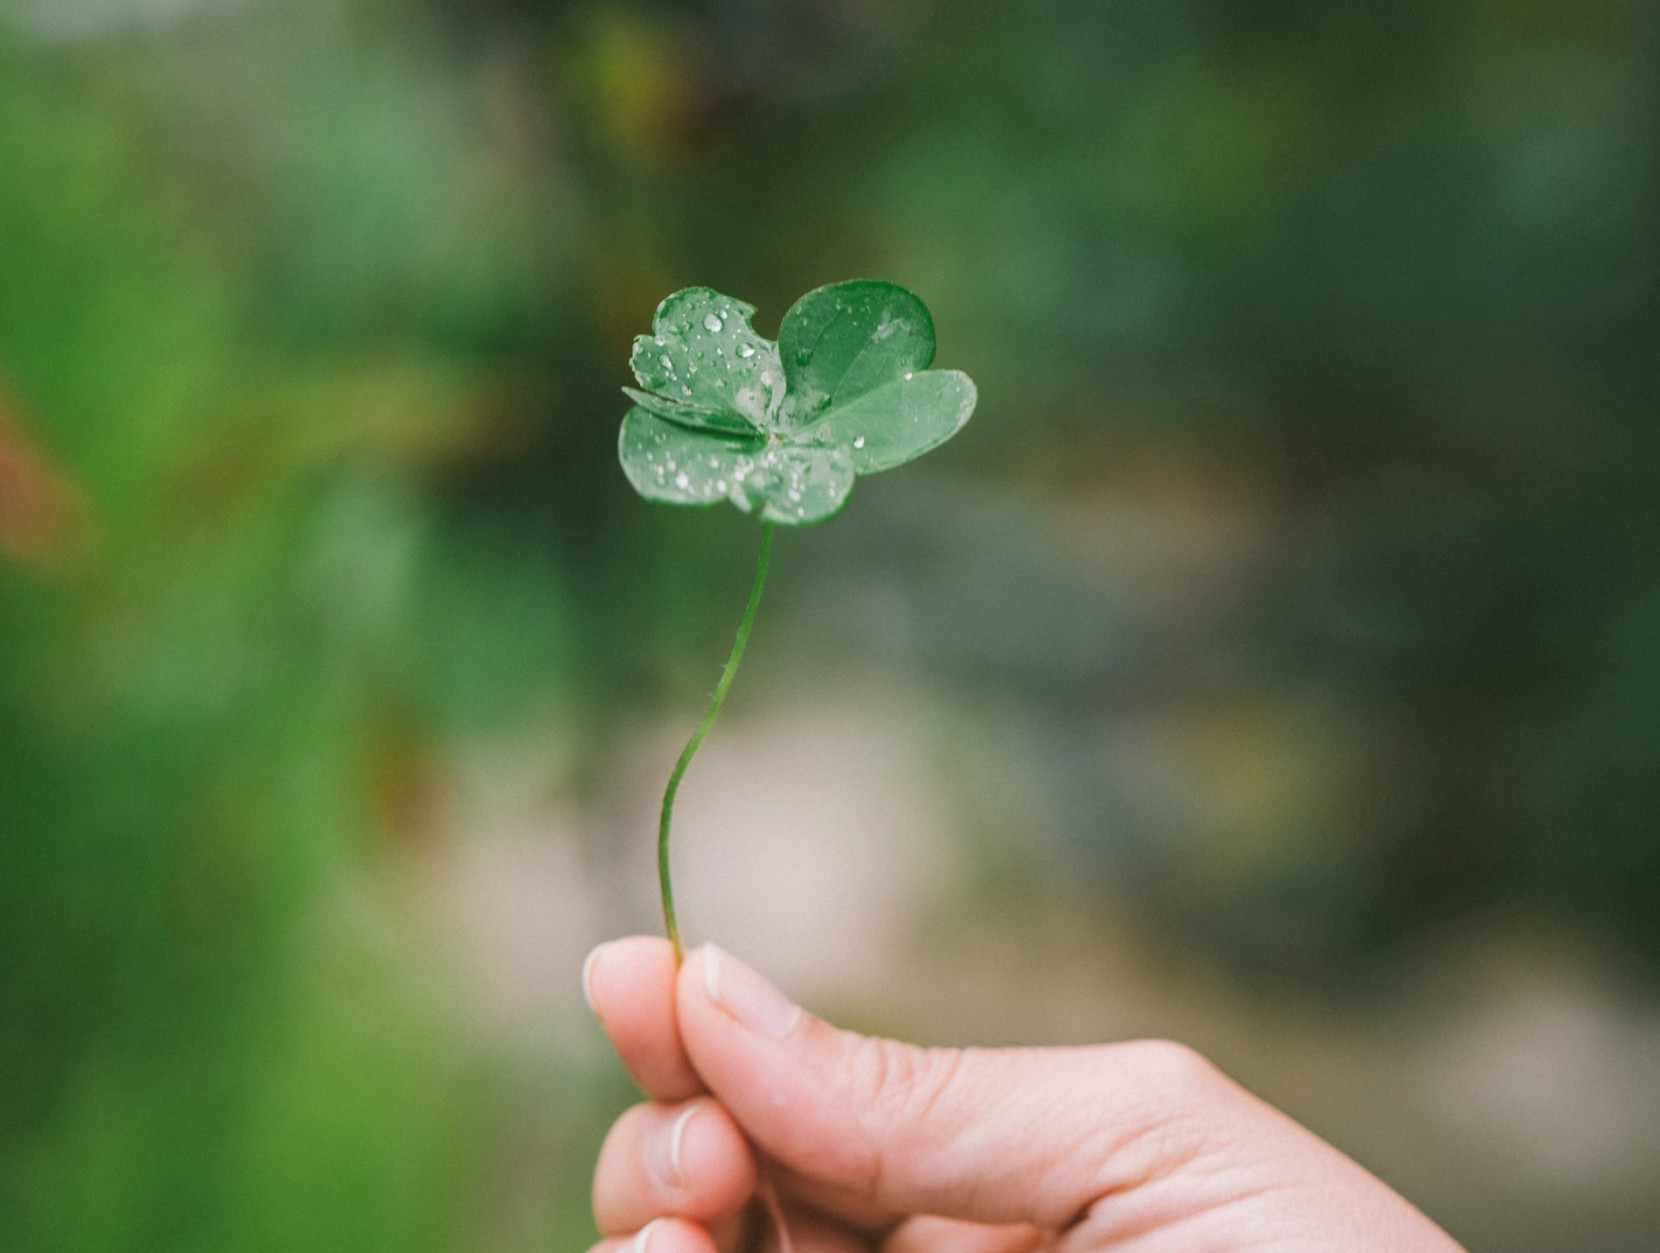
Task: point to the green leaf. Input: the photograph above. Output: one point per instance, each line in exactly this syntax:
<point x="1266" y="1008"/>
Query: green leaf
<point x="703" y="353"/>
<point x="843" y="341"/>
<point x="894" y="424"/>
<point x="670" y="463"/>
<point x="797" y="486"/>
<point x="692" y="417"/>
<point x="723" y="419"/>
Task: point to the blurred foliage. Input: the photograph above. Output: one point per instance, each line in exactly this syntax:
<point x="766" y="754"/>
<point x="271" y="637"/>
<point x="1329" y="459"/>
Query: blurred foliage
<point x="1308" y="531"/>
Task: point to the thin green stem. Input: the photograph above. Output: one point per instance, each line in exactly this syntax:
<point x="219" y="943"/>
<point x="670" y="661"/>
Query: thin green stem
<point x="726" y="676"/>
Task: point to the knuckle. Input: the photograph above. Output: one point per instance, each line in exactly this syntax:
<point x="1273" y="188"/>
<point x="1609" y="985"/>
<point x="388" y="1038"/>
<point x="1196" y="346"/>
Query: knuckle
<point x="1178" y="1072"/>
<point x="895" y="1092"/>
<point x="897" y="1085"/>
<point x="876" y="1072"/>
<point x="1175" y="1122"/>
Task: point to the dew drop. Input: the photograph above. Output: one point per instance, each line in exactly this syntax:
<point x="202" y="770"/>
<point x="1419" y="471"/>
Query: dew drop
<point x="909" y="376"/>
<point x="667" y="363"/>
<point x="720" y="486"/>
<point x="794" y="495"/>
<point x="686" y="389"/>
<point x="766" y="378"/>
<point x="744" y="350"/>
<point x="803" y="356"/>
<point x="682" y="481"/>
<point x="712" y="323"/>
<point x="860" y="442"/>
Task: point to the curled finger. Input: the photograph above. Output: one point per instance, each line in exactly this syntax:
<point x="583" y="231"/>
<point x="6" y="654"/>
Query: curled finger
<point x="687" y="1161"/>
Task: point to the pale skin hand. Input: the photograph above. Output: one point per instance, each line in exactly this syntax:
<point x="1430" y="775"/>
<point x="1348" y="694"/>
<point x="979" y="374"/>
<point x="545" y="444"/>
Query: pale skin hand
<point x="874" y="1145"/>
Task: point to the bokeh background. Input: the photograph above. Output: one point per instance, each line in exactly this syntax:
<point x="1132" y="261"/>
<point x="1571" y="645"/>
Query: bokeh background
<point x="1273" y="663"/>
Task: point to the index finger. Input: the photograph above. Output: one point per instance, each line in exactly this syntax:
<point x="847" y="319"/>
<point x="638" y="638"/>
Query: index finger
<point x="630" y="986"/>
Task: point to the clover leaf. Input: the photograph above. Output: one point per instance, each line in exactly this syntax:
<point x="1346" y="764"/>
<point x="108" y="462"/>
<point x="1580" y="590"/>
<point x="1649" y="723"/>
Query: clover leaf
<point x="784" y="428"/>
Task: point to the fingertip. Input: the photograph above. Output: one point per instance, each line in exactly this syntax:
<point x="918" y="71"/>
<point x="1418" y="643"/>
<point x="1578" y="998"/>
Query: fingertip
<point x="715" y="1159"/>
<point x="747" y="998"/>
<point x="731" y="1017"/>
<point x="659" y="1160"/>
<point x="690" y="979"/>
<point x="630" y="986"/>
<point x="588" y="964"/>
<point x="702" y="1027"/>
<point x="661" y="1235"/>
<point x="615" y="965"/>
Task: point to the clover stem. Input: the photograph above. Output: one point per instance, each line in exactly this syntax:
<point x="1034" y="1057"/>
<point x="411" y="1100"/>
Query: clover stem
<point x="670" y="924"/>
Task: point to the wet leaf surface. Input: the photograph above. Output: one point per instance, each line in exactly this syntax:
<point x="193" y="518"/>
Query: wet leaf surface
<point x="727" y="416"/>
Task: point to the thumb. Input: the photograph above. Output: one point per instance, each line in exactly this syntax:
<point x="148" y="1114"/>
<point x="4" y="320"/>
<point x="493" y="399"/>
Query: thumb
<point x="990" y="1135"/>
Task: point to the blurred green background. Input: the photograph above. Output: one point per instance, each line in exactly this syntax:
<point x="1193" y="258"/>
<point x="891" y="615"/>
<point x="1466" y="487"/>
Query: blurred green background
<point x="1274" y="662"/>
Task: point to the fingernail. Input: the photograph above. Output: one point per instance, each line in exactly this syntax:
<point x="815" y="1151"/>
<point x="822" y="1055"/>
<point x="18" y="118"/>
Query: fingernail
<point x="662" y="1151"/>
<point x="588" y="976"/>
<point x="746" y="996"/>
<point x="643" y="1237"/>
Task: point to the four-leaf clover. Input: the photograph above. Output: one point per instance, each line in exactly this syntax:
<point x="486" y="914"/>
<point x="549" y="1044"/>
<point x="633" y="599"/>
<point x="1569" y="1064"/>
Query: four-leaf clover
<point x="784" y="428"/>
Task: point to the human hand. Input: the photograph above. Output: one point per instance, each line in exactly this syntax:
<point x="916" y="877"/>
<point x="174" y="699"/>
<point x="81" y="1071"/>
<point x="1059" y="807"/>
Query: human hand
<point x="876" y="1145"/>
